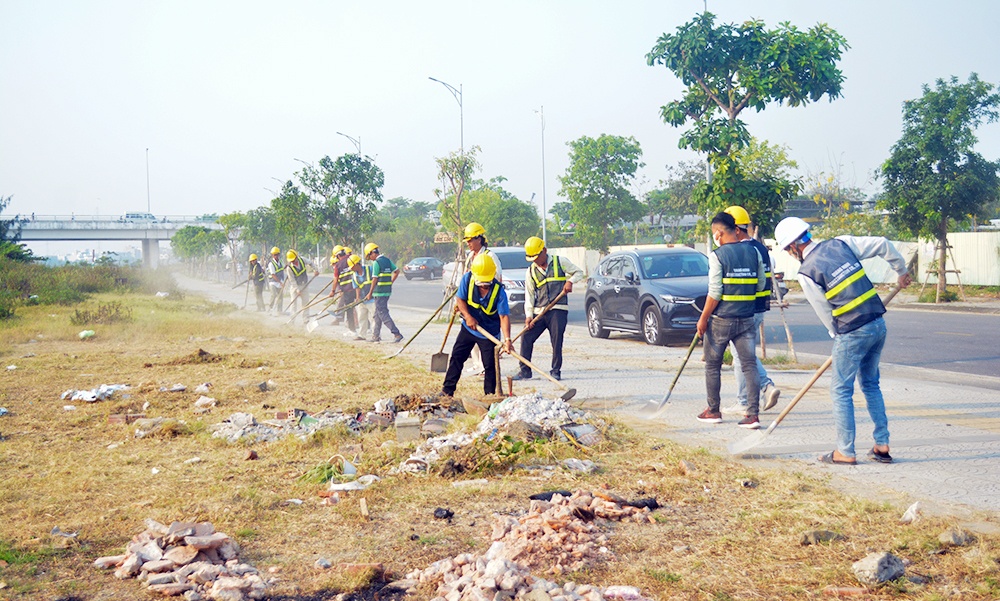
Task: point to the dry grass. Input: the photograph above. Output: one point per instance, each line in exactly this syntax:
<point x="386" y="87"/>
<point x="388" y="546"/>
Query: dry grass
<point x="57" y="470"/>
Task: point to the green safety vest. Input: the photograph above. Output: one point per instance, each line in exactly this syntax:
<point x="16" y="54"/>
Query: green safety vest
<point x="490" y="308"/>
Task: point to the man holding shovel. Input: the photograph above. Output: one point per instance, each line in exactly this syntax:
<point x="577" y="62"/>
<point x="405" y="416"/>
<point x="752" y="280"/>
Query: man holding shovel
<point x="384" y="273"/>
<point x="546" y="282"/>
<point x="258" y="279"/>
<point x="482" y="301"/>
<point x="735" y="276"/>
<point x="298" y="268"/>
<point x="834" y="282"/>
<point x="362" y="282"/>
<point x="276" y="280"/>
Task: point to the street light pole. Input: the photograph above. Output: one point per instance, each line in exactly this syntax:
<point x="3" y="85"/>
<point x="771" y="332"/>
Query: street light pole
<point x="541" y="113"/>
<point x="356" y="141"/>
<point x="461" y="111"/>
<point x="148" y="210"/>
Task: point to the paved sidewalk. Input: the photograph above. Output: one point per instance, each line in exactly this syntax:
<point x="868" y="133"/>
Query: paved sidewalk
<point x="945" y="427"/>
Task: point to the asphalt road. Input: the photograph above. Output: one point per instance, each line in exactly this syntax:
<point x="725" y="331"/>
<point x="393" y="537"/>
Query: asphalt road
<point x="943" y="340"/>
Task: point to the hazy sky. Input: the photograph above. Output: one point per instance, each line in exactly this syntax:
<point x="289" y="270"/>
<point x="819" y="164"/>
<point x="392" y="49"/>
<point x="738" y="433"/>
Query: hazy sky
<point x="226" y="95"/>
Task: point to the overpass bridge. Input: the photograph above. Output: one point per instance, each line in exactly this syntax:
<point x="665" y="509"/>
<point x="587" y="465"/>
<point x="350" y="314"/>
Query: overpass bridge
<point x="69" y="228"/>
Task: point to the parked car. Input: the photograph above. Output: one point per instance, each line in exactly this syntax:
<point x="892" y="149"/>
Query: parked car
<point x="657" y="292"/>
<point x="423" y="267"/>
<point x="514" y="265"/>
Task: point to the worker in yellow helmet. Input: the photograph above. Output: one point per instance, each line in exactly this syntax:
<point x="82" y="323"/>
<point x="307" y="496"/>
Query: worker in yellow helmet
<point x="362" y="282"/>
<point x="482" y="301"/>
<point x="276" y="280"/>
<point x="547" y="277"/>
<point x="297" y="269"/>
<point x="343" y="284"/>
<point x="259" y="279"/>
<point x="769" y="393"/>
<point x="384" y="273"/>
<point x="475" y="239"/>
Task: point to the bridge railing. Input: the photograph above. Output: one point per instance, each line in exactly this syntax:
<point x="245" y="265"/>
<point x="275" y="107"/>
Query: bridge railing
<point x="73" y="221"/>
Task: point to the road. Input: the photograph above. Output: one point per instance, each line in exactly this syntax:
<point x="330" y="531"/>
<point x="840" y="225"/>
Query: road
<point x="943" y="340"/>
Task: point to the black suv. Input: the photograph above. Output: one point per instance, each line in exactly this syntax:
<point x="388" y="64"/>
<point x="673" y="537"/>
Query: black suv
<point x="656" y="292"/>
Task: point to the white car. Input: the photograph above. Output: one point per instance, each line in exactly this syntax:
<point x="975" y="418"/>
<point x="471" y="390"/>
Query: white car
<point x="514" y="265"/>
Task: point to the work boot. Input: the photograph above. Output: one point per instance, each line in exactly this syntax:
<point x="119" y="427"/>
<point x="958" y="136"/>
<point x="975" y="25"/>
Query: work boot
<point x="397" y="338"/>
<point x="521" y="376"/>
<point x="771" y="394"/>
<point x="556" y="374"/>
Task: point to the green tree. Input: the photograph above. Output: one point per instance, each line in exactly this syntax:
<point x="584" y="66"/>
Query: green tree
<point x="344" y="195"/>
<point x="763" y="197"/>
<point x="933" y="177"/>
<point x="291" y="213"/>
<point x="597" y="183"/>
<point x="455" y="171"/>
<point x="728" y="68"/>
<point x="196" y="244"/>
<point x="232" y="228"/>
<point x="507" y="219"/>
<point x="673" y="198"/>
<point x="10" y="234"/>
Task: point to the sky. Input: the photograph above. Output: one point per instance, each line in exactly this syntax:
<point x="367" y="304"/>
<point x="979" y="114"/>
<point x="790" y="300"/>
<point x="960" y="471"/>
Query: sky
<point x="227" y="95"/>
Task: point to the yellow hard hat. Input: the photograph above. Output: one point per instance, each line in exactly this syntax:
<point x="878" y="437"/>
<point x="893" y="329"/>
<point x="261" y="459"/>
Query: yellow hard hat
<point x="337" y="250"/>
<point x="290" y="255"/>
<point x="253" y="257"/>
<point x="533" y="247"/>
<point x="739" y="214"/>
<point x="348" y="250"/>
<point x="472" y="230"/>
<point x="353" y="260"/>
<point x="483" y="269"/>
<point x="370" y="247"/>
<point x="275" y="251"/>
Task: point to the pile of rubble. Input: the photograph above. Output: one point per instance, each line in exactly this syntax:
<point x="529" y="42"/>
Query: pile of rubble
<point x="243" y="425"/>
<point x="101" y="393"/>
<point x="560" y="535"/>
<point x="187" y="559"/>
<point x="535" y="409"/>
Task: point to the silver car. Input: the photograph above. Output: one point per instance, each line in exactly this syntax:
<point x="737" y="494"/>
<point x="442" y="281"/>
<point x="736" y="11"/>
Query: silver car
<point x="514" y="265"/>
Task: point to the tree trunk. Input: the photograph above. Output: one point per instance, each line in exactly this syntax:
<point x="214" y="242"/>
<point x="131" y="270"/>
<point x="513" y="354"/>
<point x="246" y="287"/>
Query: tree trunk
<point x="942" y="258"/>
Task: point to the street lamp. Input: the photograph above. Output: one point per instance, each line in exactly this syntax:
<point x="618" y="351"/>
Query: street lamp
<point x="147" y="182"/>
<point x="461" y="114"/>
<point x="356" y="141"/>
<point x="541" y="113"/>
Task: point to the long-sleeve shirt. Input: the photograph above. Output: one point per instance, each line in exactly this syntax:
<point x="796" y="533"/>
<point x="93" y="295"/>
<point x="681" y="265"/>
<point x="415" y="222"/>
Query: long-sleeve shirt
<point x="573" y="274"/>
<point x="865" y="247"/>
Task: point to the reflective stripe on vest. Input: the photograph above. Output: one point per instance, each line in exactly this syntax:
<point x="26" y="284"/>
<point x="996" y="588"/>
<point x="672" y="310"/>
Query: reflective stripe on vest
<point x="491" y="304"/>
<point x="551" y="285"/>
<point x="257" y="272"/>
<point x="739" y="280"/>
<point x="297" y="272"/>
<point x="838" y="271"/>
<point x="384" y="274"/>
<point x="346" y="275"/>
<point x="365" y="284"/>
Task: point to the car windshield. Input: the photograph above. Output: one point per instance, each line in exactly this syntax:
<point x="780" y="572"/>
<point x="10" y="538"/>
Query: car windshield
<point x="512" y="259"/>
<point x="422" y="261"/>
<point x="674" y="265"/>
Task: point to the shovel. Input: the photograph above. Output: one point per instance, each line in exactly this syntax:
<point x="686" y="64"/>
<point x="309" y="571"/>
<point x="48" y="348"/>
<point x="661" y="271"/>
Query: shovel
<point x="569" y="392"/>
<point x="741" y="446"/>
<point x="313" y="323"/>
<point x="298" y="292"/>
<point x="659" y="407"/>
<point x="430" y="319"/>
<point x="535" y="319"/>
<point x="439" y="360"/>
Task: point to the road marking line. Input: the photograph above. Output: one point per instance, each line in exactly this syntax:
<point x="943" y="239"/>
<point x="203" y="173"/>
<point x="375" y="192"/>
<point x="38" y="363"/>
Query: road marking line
<point x="954" y="333"/>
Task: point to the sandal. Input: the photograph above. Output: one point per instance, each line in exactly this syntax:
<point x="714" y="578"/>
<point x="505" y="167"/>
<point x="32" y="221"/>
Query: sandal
<point x="875" y="455"/>
<point x="829" y="458"/>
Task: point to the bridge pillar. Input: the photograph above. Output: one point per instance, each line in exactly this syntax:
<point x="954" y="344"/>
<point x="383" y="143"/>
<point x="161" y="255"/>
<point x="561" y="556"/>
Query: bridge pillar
<point x="150" y="253"/>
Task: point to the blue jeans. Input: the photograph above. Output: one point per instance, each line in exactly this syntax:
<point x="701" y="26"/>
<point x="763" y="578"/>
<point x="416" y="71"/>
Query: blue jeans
<point x="762" y="377"/>
<point x="856" y="354"/>
<point x="722" y="331"/>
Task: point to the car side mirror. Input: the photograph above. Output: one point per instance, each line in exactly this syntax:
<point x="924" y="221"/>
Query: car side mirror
<point x="630" y="277"/>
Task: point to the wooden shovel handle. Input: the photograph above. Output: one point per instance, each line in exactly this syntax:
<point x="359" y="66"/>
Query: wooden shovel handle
<point x="448" y="331"/>
<point x="539" y="316"/>
<point x="522" y="359"/>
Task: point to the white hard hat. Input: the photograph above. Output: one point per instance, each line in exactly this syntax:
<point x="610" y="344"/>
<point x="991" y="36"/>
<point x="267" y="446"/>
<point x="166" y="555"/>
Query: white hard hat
<point x="789" y="230"/>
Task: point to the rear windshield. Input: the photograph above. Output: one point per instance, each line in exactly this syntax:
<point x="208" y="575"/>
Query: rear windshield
<point x="674" y="265"/>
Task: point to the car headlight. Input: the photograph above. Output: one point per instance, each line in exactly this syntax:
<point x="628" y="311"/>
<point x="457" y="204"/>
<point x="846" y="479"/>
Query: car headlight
<point x="677" y="300"/>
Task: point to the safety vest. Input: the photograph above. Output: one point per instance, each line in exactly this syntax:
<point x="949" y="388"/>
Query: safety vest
<point x="257" y="274"/>
<point x="739" y="280"/>
<point x="298" y="269"/>
<point x="279" y="269"/>
<point x="838" y="271"/>
<point x="343" y="272"/>
<point x="763" y="302"/>
<point x="490" y="297"/>
<point x="549" y="287"/>
<point x="484" y="308"/>
<point x="362" y="281"/>
<point x="382" y="269"/>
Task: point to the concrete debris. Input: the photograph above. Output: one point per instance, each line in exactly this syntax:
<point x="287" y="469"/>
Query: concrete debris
<point x="549" y="413"/>
<point x="205" y="402"/>
<point x="955" y="537"/>
<point x="187" y="559"/>
<point x="877" y="568"/>
<point x="101" y="393"/>
<point x="558" y="536"/>
<point x="585" y="466"/>
<point x="239" y="426"/>
<point x="431" y="450"/>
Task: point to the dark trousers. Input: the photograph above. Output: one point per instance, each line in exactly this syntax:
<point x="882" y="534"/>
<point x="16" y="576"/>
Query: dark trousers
<point x="382" y="317"/>
<point x="722" y="331"/>
<point x="258" y="292"/>
<point x="555" y="322"/>
<point x="460" y="354"/>
<point x="349" y="296"/>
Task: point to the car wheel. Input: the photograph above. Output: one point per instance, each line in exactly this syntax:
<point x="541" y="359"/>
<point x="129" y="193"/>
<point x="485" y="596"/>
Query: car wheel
<point x="594" y="325"/>
<point x="651" y="330"/>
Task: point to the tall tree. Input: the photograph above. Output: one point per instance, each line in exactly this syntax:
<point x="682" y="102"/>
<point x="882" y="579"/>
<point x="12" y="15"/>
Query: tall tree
<point x="291" y="213"/>
<point x="344" y="195"/>
<point x="933" y="177"/>
<point x="10" y="235"/>
<point x="597" y="182"/>
<point x="507" y="219"/>
<point x="455" y="172"/>
<point x="728" y="68"/>
<point x="673" y="198"/>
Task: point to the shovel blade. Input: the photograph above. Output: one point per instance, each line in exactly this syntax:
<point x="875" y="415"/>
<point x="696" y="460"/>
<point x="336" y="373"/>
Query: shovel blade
<point x="569" y="394"/>
<point x="738" y="447"/>
<point x="312" y="325"/>
<point x="439" y="363"/>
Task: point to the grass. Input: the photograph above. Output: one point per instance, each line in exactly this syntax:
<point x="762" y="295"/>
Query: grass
<point x="76" y="471"/>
